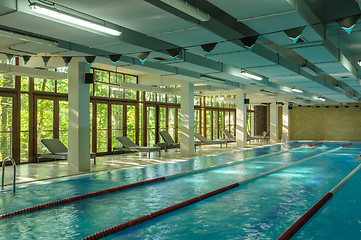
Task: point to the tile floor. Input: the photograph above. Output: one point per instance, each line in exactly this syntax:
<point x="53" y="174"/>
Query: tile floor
<point x="26" y="173"/>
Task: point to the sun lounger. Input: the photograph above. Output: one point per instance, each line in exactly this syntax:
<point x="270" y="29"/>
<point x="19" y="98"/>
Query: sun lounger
<point x="129" y="145"/>
<point x="57" y="150"/>
<point x="229" y="136"/>
<point x="207" y="141"/>
<point x="169" y="142"/>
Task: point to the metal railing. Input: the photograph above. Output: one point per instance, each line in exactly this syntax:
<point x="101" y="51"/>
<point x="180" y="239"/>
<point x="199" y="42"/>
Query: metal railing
<point x="3" y="173"/>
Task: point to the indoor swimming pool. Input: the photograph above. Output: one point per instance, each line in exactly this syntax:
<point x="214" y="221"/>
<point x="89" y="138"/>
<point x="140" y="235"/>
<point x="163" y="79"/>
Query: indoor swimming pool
<point x="260" y="209"/>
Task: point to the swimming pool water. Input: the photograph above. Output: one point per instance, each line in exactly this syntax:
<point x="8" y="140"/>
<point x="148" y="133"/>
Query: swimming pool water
<point x="262" y="209"/>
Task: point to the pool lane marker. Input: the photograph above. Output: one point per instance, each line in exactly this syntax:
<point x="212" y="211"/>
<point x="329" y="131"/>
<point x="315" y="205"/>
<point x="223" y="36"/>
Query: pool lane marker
<point x="308" y="215"/>
<point x="132" y="185"/>
<point x="148" y="217"/>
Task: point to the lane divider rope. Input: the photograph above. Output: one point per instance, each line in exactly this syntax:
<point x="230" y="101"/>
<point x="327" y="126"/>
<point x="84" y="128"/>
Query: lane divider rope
<point x="308" y="215"/>
<point x="132" y="185"/>
<point x="148" y="217"/>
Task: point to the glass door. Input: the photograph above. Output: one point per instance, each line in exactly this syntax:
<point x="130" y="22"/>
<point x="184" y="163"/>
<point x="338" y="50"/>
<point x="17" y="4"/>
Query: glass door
<point x="45" y="122"/>
<point x="151" y="119"/>
<point x="6" y="128"/>
<point x="117" y="124"/>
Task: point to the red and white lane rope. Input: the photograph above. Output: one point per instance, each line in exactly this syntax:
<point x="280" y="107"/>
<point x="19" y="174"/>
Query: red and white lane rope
<point x="121" y="188"/>
<point x="150" y="216"/>
<point x="307" y="216"/>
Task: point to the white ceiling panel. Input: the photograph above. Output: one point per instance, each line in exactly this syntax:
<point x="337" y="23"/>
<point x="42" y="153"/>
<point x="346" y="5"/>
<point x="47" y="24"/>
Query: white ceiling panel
<point x="271" y="71"/>
<point x="275" y="23"/>
<point x="243" y="59"/>
<point x="315" y="54"/>
<point x="248" y="9"/>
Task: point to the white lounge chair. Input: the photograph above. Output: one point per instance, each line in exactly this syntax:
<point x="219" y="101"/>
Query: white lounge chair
<point x="57" y="150"/>
<point x="169" y="142"/>
<point x="129" y="145"/>
<point x="207" y="141"/>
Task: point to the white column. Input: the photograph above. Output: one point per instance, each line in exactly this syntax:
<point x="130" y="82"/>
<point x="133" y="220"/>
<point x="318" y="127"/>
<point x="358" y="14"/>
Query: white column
<point x="241" y="119"/>
<point x="274" y="122"/>
<point x="79" y="131"/>
<point x="285" y="121"/>
<point x="187" y="119"/>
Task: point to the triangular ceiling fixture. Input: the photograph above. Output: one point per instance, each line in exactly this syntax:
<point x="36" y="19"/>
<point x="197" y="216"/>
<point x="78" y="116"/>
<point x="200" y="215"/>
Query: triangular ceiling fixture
<point x="9" y="57"/>
<point x="174" y="52"/>
<point x="90" y="60"/>
<point x="249" y="42"/>
<point x="143" y="56"/>
<point x="208" y="48"/>
<point x="45" y="60"/>
<point x="26" y="59"/>
<point x="294" y="33"/>
<point x="347" y="23"/>
<point x="115" y="58"/>
<point x="67" y="60"/>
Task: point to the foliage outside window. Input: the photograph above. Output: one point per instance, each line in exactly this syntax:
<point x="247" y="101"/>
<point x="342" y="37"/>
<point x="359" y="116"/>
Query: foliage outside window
<point x="6" y="126"/>
<point x="7" y="81"/>
<point x="44" y="85"/>
<point x="129" y="93"/>
<point x="24" y="82"/>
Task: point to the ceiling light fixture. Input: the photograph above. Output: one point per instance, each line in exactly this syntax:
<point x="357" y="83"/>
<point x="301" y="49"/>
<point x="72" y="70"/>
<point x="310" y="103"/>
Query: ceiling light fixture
<point x="321" y="99"/>
<point x="72" y="19"/>
<point x="188" y="9"/>
<point x="297" y="90"/>
<point x="359" y="62"/>
<point x="250" y="75"/>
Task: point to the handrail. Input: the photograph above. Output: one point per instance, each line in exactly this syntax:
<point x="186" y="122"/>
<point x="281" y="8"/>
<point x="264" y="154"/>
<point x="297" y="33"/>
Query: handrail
<point x="3" y="172"/>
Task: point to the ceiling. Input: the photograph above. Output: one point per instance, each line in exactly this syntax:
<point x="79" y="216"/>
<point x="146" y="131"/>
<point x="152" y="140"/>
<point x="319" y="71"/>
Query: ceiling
<point x="324" y="63"/>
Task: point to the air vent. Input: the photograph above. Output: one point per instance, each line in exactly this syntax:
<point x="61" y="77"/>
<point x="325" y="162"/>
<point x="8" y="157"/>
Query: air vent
<point x="344" y="77"/>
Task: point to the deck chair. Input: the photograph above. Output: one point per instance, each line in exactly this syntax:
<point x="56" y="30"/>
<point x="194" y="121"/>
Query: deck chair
<point x="169" y="142"/>
<point x="57" y="150"/>
<point x="228" y="136"/>
<point x="129" y="145"/>
<point x="263" y="137"/>
<point x="207" y="141"/>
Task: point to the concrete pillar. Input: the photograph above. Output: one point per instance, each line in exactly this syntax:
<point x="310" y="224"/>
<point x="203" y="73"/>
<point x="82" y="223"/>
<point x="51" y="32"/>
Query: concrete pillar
<point x="241" y="119"/>
<point x="274" y="122"/>
<point x="285" y="122"/>
<point x="187" y="119"/>
<point x="79" y="131"/>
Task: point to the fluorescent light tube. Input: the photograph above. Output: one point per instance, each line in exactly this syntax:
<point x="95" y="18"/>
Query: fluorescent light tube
<point x="249" y="75"/>
<point x="76" y="21"/>
<point x="321" y="99"/>
<point x="297" y="90"/>
<point x="188" y="9"/>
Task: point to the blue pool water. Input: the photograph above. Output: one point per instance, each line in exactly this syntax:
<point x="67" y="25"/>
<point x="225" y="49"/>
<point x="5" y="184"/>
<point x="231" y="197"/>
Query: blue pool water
<point x="262" y="209"/>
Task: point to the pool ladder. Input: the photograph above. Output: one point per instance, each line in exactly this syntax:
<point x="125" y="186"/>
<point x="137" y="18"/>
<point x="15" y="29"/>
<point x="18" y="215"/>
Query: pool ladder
<point x="3" y="177"/>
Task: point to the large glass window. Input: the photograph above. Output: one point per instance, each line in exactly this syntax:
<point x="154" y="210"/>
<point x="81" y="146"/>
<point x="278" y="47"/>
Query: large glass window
<point x="151" y="125"/>
<point x="129" y="93"/>
<point x="63" y="122"/>
<point x="117" y="124"/>
<point x="162" y="120"/>
<point x="131" y="127"/>
<point x="6" y="106"/>
<point x="102" y="127"/>
<point x="45" y="122"/>
<point x="7" y="81"/>
<point x="24" y="128"/>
